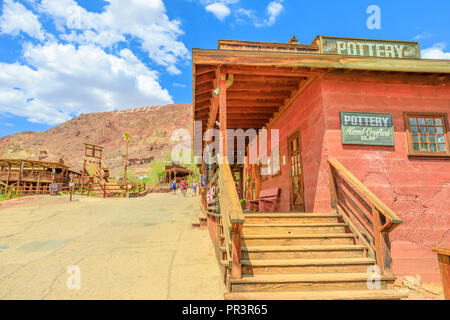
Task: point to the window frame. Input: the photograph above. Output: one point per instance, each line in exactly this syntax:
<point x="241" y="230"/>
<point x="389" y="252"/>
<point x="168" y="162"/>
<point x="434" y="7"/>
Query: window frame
<point x="409" y="142"/>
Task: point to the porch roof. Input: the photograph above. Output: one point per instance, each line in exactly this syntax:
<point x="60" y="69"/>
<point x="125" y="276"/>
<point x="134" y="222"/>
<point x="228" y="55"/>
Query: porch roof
<point x="16" y="163"/>
<point x="265" y="83"/>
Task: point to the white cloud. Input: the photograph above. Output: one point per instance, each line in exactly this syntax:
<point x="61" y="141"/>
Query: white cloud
<point x="423" y="35"/>
<point x="62" y="81"/>
<point x="436" y="52"/>
<point x="80" y="68"/>
<point x="274" y="10"/>
<point x="220" y="10"/>
<point x="16" y="18"/>
<point x="143" y="20"/>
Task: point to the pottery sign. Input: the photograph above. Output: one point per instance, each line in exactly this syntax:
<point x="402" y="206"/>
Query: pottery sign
<point x="370" y="48"/>
<point x="374" y="129"/>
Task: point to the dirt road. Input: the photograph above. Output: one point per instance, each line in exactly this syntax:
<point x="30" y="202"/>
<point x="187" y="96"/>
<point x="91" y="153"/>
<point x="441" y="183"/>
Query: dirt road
<point x="120" y="249"/>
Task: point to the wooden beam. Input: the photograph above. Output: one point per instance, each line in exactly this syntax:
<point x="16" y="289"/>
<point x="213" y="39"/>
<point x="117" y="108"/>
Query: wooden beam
<point x="268" y="71"/>
<point x="223" y="111"/>
<point x="252" y="109"/>
<point x="203" y="96"/>
<point x="208" y="86"/>
<point x="202" y="69"/>
<point x="202" y="104"/>
<point x="245" y="126"/>
<point x="249" y="103"/>
<point x="214" y="105"/>
<point x="255" y="95"/>
<point x="253" y="86"/>
<point x="249" y="116"/>
<point x="268" y="79"/>
<point x="321" y="61"/>
<point x="204" y="78"/>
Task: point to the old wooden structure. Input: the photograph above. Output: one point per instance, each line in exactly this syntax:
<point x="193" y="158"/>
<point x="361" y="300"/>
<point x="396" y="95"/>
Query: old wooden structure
<point x="96" y="177"/>
<point x="31" y="176"/>
<point x="335" y="153"/>
<point x="177" y="172"/>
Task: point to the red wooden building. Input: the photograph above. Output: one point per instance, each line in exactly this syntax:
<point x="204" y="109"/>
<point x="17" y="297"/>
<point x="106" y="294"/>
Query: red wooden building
<point x="352" y="115"/>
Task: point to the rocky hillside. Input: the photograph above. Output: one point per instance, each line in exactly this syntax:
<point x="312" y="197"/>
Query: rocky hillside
<point x="150" y="129"/>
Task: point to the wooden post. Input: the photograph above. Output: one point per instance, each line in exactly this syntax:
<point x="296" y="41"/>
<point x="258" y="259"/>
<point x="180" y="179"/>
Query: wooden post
<point x="236" y="267"/>
<point x="223" y="115"/>
<point x="104" y="190"/>
<point x="444" y="266"/>
<point x="333" y="192"/>
<point x="20" y="174"/>
<point x="7" y="180"/>
<point x="39" y="182"/>
<point x="378" y="240"/>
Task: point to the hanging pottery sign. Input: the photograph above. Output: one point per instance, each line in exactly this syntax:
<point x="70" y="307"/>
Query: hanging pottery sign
<point x="369" y="48"/>
<point x="374" y="129"/>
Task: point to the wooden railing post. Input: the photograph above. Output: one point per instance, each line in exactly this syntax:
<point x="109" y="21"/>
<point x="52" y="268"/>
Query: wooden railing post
<point x="236" y="263"/>
<point x="444" y="266"/>
<point x="382" y="244"/>
<point x="333" y="192"/>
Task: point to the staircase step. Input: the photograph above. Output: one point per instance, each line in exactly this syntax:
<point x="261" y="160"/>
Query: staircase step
<point x="313" y="282"/>
<point x="318" y="295"/>
<point x="283" y="218"/>
<point x="297" y="239"/>
<point x="297" y="266"/>
<point x="302" y="252"/>
<point x="303" y="228"/>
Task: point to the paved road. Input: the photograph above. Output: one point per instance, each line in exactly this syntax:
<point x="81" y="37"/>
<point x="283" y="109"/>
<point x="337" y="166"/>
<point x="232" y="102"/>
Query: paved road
<point x="124" y="249"/>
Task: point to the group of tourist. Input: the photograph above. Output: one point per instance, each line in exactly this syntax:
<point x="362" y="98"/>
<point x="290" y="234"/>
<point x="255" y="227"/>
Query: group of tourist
<point x="183" y="185"/>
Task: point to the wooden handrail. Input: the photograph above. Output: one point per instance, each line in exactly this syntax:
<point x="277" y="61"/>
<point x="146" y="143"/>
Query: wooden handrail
<point x="232" y="218"/>
<point x="369" y="218"/>
<point x="359" y="186"/>
<point x="230" y="193"/>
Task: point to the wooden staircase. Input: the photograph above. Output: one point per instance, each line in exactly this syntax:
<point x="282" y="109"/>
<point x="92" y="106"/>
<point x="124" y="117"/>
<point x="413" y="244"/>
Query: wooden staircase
<point x="344" y="254"/>
<point x="301" y="257"/>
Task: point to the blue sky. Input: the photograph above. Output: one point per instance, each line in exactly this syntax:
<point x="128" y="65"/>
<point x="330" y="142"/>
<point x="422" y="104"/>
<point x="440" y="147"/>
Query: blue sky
<point x="60" y="58"/>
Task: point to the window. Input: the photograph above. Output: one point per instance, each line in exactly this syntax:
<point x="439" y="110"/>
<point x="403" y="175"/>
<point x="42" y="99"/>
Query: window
<point x="427" y="134"/>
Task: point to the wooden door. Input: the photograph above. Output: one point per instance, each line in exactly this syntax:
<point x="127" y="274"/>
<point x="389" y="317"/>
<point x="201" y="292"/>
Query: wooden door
<point x="296" y="174"/>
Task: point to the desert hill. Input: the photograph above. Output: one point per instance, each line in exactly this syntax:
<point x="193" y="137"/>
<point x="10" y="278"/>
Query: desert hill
<point x="150" y="129"/>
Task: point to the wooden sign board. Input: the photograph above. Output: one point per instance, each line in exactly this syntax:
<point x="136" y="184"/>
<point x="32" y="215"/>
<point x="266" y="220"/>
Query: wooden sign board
<point x="54" y="187"/>
<point x="368" y="47"/>
<point x="373" y="129"/>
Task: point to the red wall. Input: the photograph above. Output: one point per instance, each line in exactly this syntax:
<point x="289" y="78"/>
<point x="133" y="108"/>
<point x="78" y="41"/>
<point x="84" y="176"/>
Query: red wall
<point x="417" y="190"/>
<point x="306" y="114"/>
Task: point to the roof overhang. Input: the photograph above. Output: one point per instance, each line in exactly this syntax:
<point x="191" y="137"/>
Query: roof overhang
<point x="16" y="163"/>
<point x="267" y="83"/>
<point x="322" y="61"/>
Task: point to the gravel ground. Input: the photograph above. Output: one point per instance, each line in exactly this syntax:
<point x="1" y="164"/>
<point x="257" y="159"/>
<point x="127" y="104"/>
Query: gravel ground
<point x="140" y="248"/>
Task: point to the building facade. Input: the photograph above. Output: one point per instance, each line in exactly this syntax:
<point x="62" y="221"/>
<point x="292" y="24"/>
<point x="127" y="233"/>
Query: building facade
<point x="374" y="105"/>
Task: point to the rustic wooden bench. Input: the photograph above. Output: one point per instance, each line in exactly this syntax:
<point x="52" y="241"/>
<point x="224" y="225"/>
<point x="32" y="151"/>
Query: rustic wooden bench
<point x="267" y="201"/>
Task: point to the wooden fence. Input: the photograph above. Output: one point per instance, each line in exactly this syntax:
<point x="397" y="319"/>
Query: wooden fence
<point x="100" y="190"/>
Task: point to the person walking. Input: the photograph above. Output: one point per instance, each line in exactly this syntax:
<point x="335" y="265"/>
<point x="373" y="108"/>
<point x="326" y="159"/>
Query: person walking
<point x="184" y="187"/>
<point x="174" y="187"/>
<point x="194" y="189"/>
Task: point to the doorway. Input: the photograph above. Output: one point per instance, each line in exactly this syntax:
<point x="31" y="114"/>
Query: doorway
<point x="296" y="174"/>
